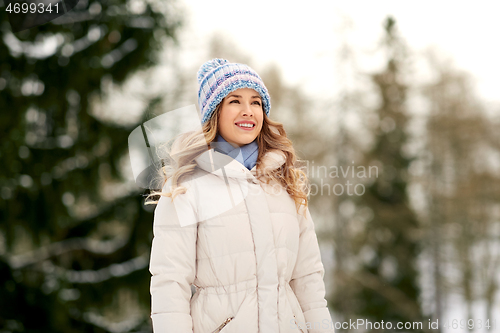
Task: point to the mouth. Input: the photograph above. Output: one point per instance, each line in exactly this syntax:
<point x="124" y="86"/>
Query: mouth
<point x="245" y="126"/>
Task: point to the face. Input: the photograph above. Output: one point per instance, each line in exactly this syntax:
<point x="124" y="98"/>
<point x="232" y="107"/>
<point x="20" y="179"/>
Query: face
<point x="241" y="117"/>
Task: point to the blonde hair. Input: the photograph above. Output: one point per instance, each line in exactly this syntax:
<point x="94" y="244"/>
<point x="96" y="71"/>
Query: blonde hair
<point x="188" y="146"/>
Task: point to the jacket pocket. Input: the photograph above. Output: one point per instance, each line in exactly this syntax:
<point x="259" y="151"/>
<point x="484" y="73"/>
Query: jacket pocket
<point x="303" y="330"/>
<point x="221" y="326"/>
<point x="238" y="311"/>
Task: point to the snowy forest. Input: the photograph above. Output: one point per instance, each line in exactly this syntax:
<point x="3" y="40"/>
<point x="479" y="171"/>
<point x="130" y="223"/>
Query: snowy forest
<point x="417" y="239"/>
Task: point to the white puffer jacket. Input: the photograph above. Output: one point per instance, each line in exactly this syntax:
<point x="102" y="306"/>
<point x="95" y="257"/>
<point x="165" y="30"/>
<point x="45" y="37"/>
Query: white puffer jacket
<point x="255" y="262"/>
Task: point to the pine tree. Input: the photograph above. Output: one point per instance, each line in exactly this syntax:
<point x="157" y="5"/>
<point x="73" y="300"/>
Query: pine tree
<point x="74" y="242"/>
<point x="388" y="245"/>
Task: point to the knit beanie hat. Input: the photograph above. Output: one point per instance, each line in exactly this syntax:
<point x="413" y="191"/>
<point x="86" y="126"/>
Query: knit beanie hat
<point x="218" y="77"/>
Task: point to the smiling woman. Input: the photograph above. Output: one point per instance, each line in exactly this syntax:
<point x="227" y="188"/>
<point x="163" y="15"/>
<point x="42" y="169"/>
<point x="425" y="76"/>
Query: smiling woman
<point x="219" y="225"/>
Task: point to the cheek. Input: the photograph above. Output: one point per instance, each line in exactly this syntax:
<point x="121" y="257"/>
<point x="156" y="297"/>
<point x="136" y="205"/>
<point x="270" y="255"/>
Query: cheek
<point x="226" y="119"/>
<point x="260" y="120"/>
<point x="224" y="124"/>
<point x="260" y="128"/>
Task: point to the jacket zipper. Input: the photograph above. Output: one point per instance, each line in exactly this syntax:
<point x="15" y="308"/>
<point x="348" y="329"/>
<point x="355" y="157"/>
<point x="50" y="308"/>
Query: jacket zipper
<point x="218" y="329"/>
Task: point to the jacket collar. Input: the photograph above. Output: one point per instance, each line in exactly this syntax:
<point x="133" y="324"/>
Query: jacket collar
<point x="215" y="162"/>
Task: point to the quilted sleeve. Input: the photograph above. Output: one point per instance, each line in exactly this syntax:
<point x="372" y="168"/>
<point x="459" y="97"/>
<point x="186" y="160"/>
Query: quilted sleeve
<point x="173" y="264"/>
<point x="307" y="278"/>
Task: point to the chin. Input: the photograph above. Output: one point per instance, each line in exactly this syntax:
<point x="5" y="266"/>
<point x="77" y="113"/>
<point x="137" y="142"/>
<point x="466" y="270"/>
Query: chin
<point x="245" y="142"/>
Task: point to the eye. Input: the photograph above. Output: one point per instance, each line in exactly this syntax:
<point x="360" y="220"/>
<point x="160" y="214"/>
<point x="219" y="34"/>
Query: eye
<point x="234" y="100"/>
<point x="257" y="102"/>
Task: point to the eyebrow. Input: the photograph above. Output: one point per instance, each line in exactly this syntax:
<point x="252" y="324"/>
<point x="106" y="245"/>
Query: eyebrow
<point x="240" y="96"/>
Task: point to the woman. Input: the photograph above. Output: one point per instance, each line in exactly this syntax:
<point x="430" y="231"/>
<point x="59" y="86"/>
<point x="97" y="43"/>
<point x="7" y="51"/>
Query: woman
<point x="233" y="221"/>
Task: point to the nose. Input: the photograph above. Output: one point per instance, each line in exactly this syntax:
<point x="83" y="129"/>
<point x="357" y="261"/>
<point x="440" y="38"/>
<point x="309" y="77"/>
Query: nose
<point x="247" y="110"/>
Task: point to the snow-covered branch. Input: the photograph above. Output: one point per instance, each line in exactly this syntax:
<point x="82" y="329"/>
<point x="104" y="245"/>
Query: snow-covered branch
<point x="56" y="249"/>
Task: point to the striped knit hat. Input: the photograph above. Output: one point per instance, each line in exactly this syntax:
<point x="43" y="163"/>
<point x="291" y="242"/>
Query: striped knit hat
<point x="218" y="77"/>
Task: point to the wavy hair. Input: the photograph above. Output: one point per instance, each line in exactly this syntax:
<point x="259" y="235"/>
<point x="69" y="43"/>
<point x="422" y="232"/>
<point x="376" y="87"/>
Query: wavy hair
<point x="185" y="148"/>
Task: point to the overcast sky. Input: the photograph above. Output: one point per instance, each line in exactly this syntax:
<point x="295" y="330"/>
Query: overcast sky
<point x="303" y="36"/>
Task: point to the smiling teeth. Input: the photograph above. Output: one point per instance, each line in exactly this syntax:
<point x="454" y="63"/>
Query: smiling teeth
<point x="245" y="125"/>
